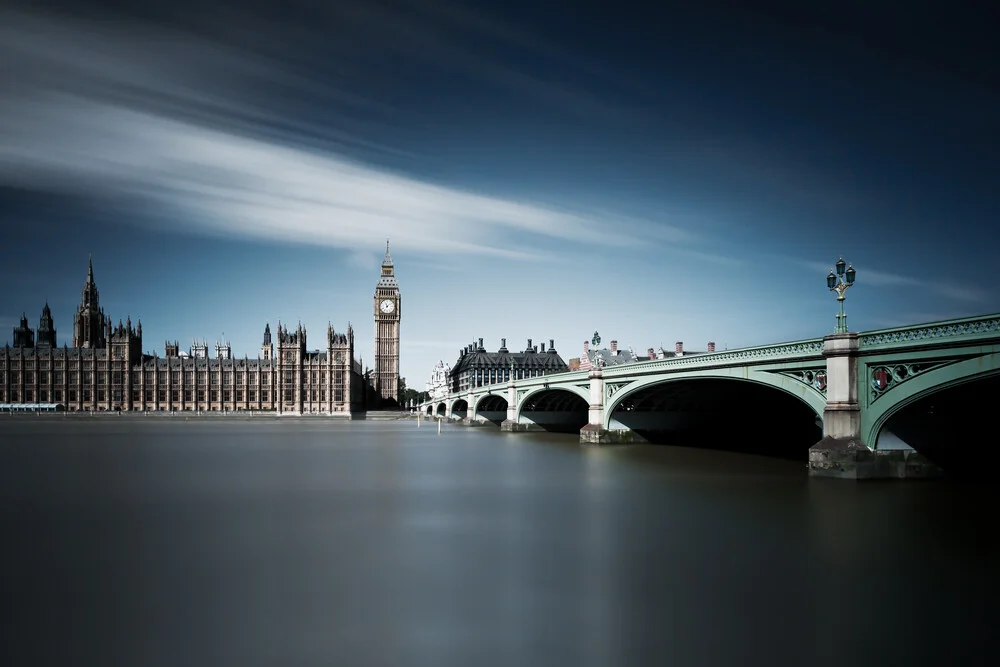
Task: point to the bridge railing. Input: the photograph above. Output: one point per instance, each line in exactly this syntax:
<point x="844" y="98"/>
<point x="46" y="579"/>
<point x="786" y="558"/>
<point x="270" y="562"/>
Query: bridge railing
<point x="812" y="347"/>
<point x="980" y="327"/>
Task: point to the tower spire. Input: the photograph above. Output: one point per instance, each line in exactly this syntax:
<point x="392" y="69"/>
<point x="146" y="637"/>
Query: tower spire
<point x="90" y="268"/>
<point x="387" y="261"/>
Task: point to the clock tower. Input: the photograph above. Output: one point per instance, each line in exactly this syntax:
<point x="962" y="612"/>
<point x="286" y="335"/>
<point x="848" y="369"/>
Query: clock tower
<point x="386" y="377"/>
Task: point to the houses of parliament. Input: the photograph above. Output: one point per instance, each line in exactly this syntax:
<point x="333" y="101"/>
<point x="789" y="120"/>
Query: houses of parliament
<point x="106" y="369"/>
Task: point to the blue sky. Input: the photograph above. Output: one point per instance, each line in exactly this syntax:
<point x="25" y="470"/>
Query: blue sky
<point x="658" y="174"/>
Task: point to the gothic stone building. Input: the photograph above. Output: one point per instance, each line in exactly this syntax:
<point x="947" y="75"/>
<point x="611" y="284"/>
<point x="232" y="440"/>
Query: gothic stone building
<point x="476" y="367"/>
<point x="106" y="369"/>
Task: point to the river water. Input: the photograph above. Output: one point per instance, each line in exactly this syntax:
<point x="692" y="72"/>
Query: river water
<point x="159" y="541"/>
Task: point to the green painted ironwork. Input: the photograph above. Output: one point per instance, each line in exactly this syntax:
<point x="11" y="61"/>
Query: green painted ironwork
<point x="967" y="328"/>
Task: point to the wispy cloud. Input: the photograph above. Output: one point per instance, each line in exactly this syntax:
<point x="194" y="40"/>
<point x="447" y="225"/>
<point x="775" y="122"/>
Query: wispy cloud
<point x="878" y="278"/>
<point x="92" y="111"/>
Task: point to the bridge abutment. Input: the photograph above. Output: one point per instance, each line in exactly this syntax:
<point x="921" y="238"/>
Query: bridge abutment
<point x="592" y="434"/>
<point x="842" y="453"/>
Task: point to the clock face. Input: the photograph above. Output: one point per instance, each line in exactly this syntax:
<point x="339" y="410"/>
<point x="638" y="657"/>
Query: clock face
<point x="387" y="306"/>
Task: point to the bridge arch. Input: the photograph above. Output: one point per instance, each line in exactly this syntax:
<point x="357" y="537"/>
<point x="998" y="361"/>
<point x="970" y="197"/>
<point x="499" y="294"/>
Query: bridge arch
<point x="813" y="398"/>
<point x="459" y="408"/>
<point x="562" y="408"/>
<point x="881" y="409"/>
<point x="750" y="411"/>
<point x="490" y="407"/>
<point x="430" y="409"/>
<point x="441" y="410"/>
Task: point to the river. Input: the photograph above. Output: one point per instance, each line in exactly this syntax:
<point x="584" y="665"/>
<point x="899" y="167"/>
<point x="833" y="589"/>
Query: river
<point x="168" y="542"/>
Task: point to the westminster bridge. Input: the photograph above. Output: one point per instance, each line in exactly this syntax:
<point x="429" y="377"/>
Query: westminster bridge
<point x="875" y="403"/>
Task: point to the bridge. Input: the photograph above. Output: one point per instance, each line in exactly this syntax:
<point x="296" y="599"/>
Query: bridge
<point x="870" y="404"/>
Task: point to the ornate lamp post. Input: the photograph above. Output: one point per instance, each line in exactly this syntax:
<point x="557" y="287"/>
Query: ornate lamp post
<point x="839" y="283"/>
<point x="595" y="341"/>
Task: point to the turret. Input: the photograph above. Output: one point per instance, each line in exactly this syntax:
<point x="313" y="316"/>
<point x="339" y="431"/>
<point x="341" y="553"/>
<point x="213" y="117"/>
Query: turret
<point x="46" y="330"/>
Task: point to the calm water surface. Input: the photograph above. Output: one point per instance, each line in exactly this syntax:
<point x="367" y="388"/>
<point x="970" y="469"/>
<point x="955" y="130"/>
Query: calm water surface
<point x="301" y="542"/>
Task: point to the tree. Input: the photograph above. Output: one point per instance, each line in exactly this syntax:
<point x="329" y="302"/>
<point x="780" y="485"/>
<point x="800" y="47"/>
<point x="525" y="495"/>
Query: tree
<point x="406" y="395"/>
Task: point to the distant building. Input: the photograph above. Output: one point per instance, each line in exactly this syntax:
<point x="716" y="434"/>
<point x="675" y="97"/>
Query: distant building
<point x="437" y="385"/>
<point x="106" y="369"/>
<point x="573" y="364"/>
<point x="615" y="356"/>
<point x="476" y="367"/>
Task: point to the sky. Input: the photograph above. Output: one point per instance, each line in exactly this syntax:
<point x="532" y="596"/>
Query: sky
<point x="655" y="172"/>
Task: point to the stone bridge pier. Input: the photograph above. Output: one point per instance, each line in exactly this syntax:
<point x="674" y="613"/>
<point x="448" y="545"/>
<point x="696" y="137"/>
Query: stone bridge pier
<point x="843" y="453"/>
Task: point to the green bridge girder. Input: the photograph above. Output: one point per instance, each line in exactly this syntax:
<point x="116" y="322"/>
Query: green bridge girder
<point x="895" y="367"/>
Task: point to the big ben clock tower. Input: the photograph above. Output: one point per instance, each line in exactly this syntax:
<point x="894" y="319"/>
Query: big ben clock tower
<point x="387" y="333"/>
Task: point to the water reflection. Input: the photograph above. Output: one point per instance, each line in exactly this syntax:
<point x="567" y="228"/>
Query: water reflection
<point x="164" y="543"/>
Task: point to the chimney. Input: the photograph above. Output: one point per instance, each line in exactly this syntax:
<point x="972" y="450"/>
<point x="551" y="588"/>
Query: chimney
<point x="679" y="348"/>
<point x="480" y="343"/>
<point x="529" y="343"/>
<point x="535" y="349"/>
<point x="614" y="347"/>
<point x="552" y="344"/>
<point x="586" y="346"/>
<point x="503" y="342"/>
<point x="651" y="353"/>
<point x="711" y="347"/>
<point x="543" y="347"/>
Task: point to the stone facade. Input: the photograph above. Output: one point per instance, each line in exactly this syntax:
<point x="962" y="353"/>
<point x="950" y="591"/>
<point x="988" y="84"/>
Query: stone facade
<point x="106" y="369"/>
<point x="437" y="385"/>
<point x="477" y="368"/>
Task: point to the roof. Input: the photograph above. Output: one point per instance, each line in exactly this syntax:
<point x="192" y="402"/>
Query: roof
<point x="528" y="360"/>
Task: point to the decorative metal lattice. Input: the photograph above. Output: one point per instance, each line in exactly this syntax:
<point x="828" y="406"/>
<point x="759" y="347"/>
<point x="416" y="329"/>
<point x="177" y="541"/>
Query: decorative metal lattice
<point x="885" y="377"/>
<point x="611" y="387"/>
<point x="812" y="377"/>
<point x="919" y="334"/>
<point x="806" y="348"/>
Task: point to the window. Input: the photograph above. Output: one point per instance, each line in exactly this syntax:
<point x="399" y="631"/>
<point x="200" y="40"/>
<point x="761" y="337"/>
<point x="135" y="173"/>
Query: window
<point x="116" y="377"/>
<point x="163" y="379"/>
<point x="58" y="377"/>
<point x="265" y="395"/>
<point x="135" y="396"/>
<point x="215" y="377"/>
<point x="136" y="377"/>
<point x="175" y="377"/>
<point x="201" y="395"/>
<point x="252" y="395"/>
<point x="227" y="377"/>
<point x="174" y="395"/>
<point x="43" y="377"/>
<point x="187" y="395"/>
<point x="215" y="395"/>
<point x="149" y="396"/>
<point x="43" y="396"/>
<point x="338" y="386"/>
<point x="101" y="395"/>
<point x="29" y="377"/>
<point x="239" y="395"/>
<point x="227" y="395"/>
<point x="189" y="379"/>
<point x="72" y="395"/>
<point x="57" y="395"/>
<point x="163" y="396"/>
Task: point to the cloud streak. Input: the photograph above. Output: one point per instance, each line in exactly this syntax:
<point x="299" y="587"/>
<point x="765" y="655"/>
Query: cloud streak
<point x="877" y="278"/>
<point x="173" y="132"/>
